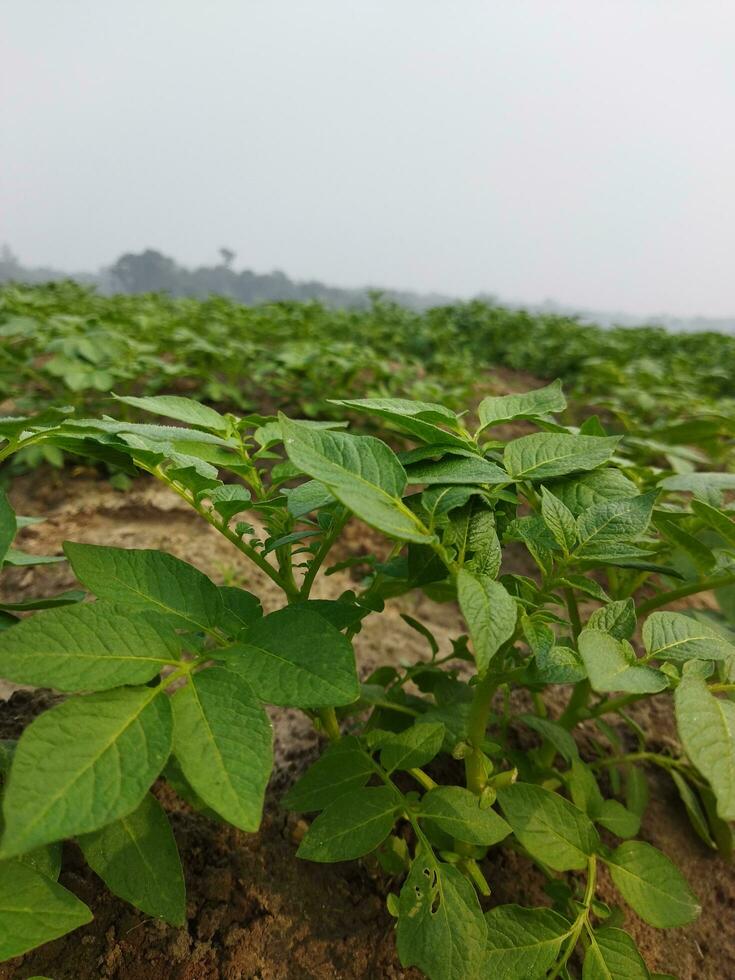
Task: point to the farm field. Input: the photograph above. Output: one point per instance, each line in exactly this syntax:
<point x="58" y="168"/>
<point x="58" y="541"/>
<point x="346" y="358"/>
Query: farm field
<point x="594" y="562"/>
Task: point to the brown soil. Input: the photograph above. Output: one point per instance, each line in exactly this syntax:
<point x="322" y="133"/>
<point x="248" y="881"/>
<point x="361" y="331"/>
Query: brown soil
<point x="254" y="910"/>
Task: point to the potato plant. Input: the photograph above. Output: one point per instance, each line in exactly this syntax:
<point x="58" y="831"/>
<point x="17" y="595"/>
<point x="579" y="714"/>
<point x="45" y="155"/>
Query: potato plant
<point x="562" y="556"/>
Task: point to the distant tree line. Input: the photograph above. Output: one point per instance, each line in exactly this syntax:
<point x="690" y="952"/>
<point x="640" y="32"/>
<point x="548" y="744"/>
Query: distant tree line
<point x="152" y="272"/>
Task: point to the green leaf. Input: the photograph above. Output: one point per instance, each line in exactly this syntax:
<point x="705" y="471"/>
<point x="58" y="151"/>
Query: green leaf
<point x="83" y="764"/>
<point x="68" y="598"/>
<point x="34" y="910"/>
<point x="8" y="525"/>
<point x="441" y="929"/>
<point x="46" y="860"/>
<point x="495" y="410"/>
<point x="223" y="743"/>
<point x="458" y="470"/>
<point x="559" y="520"/>
<point x="352" y="825"/>
<point x="553" y="732"/>
<point x="560" y="665"/>
<point x="654" y="888"/>
<point x="552" y="829"/>
<point x="674" y="636"/>
<point x="413" y="747"/>
<point x="699" y="483"/>
<point x="616" y="618"/>
<point x="580" y="493"/>
<point x="91" y="646"/>
<point x="522" y="942"/>
<point x="147" y="579"/>
<point x="361" y="471"/>
<point x="182" y="409"/>
<point x="228" y="500"/>
<point x="457" y="812"/>
<point x="421" y="419"/>
<point x="613" y="521"/>
<point x="548" y="454"/>
<point x="613" y="955"/>
<point x="295" y="657"/>
<point x="490" y="612"/>
<point x="619" y="820"/>
<point x="706" y="727"/>
<point x="695" y="812"/>
<point x="241" y="609"/>
<point x="344" y="766"/>
<point x="137" y="858"/>
<point x="716" y="519"/>
<point x="612" y="666"/>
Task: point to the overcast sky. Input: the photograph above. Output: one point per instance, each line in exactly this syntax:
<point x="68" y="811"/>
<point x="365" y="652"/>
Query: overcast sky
<point x="582" y="150"/>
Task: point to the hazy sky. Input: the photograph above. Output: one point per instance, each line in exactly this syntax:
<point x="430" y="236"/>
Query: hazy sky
<point x="577" y="149"/>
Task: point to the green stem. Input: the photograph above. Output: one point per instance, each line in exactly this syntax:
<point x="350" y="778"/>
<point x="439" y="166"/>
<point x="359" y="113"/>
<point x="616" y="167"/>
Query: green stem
<point x="330" y="724"/>
<point x="581" y="920"/>
<point x="573" y="609"/>
<point x="213" y="519"/>
<point x="318" y="559"/>
<point x="705" y="585"/>
<point x="476" y="728"/>
<point x="665" y="761"/>
<point x="421" y="777"/>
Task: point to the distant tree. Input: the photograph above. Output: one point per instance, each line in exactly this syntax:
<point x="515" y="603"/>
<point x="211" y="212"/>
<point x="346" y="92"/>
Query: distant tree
<point x="148" y="272"/>
<point x="228" y="256"/>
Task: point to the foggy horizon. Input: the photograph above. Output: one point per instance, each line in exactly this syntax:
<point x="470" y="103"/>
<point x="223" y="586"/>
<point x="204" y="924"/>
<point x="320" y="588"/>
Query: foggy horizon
<point x="576" y="154"/>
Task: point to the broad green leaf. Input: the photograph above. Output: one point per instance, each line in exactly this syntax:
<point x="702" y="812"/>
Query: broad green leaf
<point x="522" y="942"/>
<point x="716" y="519"/>
<point x="228" y="499"/>
<point x="612" y="666"/>
<point x="344" y="766"/>
<point x="46" y="860"/>
<point x="241" y="609"/>
<point x="580" y="493"/>
<point x="421" y="419"/>
<point x="441" y="929"/>
<point x="551" y="828"/>
<point x="528" y="405"/>
<point x="223" y="743"/>
<point x="616" y="618"/>
<point x="413" y="747"/>
<point x="137" y="858"/>
<point x="490" y="613"/>
<point x="457" y="812"/>
<point x="83" y="764"/>
<point x="458" y="470"/>
<point x="147" y="579"/>
<point x="613" y="955"/>
<point x="706" y="727"/>
<point x="361" y="471"/>
<point x="295" y="657"/>
<point x="182" y="409"/>
<point x="699" y="482"/>
<point x="618" y="819"/>
<point x="307" y="497"/>
<point x="8" y="525"/>
<point x="560" y="665"/>
<point x="654" y="888"/>
<point x="544" y="455"/>
<point x="559" y="520"/>
<point x="553" y="732"/>
<point x="352" y="825"/>
<point x="441" y="498"/>
<point x="34" y="909"/>
<point x="674" y="636"/>
<point x="701" y="556"/>
<point x="613" y="521"/>
<point x="92" y="646"/>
